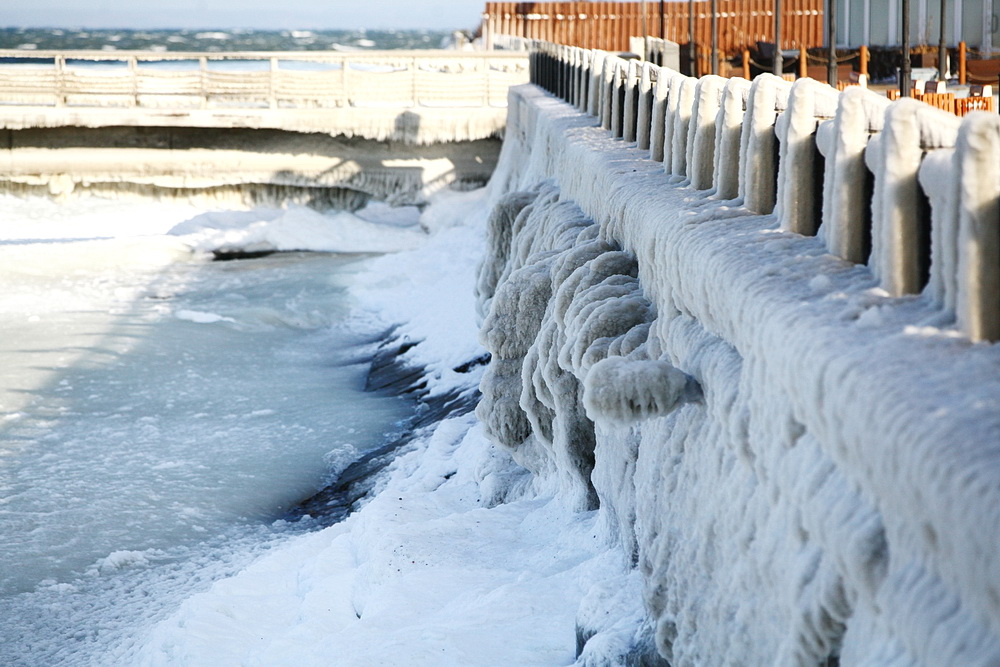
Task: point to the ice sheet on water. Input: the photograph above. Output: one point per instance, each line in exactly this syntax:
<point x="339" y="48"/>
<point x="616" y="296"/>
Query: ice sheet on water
<point x="150" y="399"/>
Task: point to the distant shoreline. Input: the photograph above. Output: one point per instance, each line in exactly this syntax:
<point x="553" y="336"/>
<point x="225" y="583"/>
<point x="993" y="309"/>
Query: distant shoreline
<point x="49" y="39"/>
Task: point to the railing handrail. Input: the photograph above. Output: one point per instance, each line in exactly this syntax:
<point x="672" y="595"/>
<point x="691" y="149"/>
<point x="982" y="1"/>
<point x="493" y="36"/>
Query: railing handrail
<point x="955" y="264"/>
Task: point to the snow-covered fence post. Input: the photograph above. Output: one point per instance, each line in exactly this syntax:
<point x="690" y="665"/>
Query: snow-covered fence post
<point x="701" y="131"/>
<point x="551" y="65"/>
<point x="978" y="161"/>
<point x="658" y="111"/>
<point x="842" y="142"/>
<point x="630" y="106"/>
<point x="644" y="113"/>
<point x="665" y="99"/>
<point x="618" y="97"/>
<point x="758" y="178"/>
<point x="799" y="196"/>
<point x="679" y="116"/>
<point x="901" y="241"/>
<point x="565" y="72"/>
<point x="938" y="178"/>
<point x="583" y="82"/>
<point x="608" y="89"/>
<point x="595" y="87"/>
<point x="728" y="127"/>
<point x="572" y="73"/>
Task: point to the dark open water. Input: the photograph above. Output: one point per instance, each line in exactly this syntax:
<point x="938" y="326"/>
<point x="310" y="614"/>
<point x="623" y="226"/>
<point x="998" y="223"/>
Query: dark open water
<point x="223" y="40"/>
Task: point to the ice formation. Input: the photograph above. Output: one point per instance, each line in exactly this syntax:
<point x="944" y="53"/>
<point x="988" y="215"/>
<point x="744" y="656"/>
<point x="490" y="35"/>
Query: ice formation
<point x="799" y="459"/>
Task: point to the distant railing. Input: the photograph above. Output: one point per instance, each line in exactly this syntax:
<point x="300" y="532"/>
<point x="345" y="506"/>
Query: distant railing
<point x="275" y="80"/>
<point x="919" y="205"/>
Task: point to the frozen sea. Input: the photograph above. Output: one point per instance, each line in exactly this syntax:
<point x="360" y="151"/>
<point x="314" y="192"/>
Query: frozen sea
<point x="156" y="405"/>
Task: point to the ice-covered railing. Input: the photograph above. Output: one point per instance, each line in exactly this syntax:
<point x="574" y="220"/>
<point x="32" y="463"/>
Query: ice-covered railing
<point x="909" y="190"/>
<point x="293" y="80"/>
<point x="718" y="350"/>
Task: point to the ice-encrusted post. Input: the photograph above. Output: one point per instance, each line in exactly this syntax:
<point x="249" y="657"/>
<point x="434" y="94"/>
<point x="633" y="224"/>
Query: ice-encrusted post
<point x="658" y="126"/>
<point x="647" y="75"/>
<point x="598" y="59"/>
<point x="758" y="180"/>
<point x="564" y="72"/>
<point x="608" y="89"/>
<point x="701" y="131"/>
<point x="728" y="126"/>
<point x="573" y="72"/>
<point x="668" y="89"/>
<point x="583" y="85"/>
<point x="618" y="91"/>
<point x="978" y="158"/>
<point x="679" y="117"/>
<point x="798" y="190"/>
<point x="842" y="142"/>
<point x="631" y="102"/>
<point x="937" y="178"/>
<point x="898" y="237"/>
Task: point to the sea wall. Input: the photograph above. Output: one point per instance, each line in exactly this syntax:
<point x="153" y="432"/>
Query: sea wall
<point x="780" y="416"/>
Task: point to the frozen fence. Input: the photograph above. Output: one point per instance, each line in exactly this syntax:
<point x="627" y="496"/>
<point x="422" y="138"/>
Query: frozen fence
<point x="908" y="189"/>
<point x="701" y="301"/>
<point x="296" y="80"/>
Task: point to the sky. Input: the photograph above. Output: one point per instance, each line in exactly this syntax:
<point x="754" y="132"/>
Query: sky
<point x="275" y="14"/>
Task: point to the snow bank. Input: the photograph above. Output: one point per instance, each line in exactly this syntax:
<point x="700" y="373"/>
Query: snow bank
<point x="299" y="228"/>
<point x="800" y="463"/>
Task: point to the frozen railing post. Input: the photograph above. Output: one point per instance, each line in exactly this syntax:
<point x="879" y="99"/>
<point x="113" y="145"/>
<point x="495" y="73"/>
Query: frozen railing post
<point x="596" y="84"/>
<point x="630" y="103"/>
<point x="583" y="81"/>
<point x="658" y="111"/>
<point x="679" y="110"/>
<point x="901" y="236"/>
<point x="665" y="94"/>
<point x="647" y="78"/>
<point x="701" y="131"/>
<point x="617" y="99"/>
<point x="978" y="162"/>
<point x="799" y="191"/>
<point x="728" y="127"/>
<point x="608" y="89"/>
<point x="846" y="216"/>
<point x="566" y="73"/>
<point x="758" y="177"/>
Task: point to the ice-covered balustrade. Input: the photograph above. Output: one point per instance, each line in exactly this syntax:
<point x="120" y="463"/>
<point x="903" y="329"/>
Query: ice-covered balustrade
<point x="760" y="345"/>
<point x="911" y="165"/>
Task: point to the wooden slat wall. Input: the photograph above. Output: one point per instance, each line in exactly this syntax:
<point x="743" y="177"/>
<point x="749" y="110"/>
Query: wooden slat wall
<point x="608" y="25"/>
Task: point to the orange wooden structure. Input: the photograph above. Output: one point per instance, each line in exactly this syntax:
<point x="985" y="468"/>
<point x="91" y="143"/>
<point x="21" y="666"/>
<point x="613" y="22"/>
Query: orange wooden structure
<point x="608" y="25"/>
<point x="960" y="106"/>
